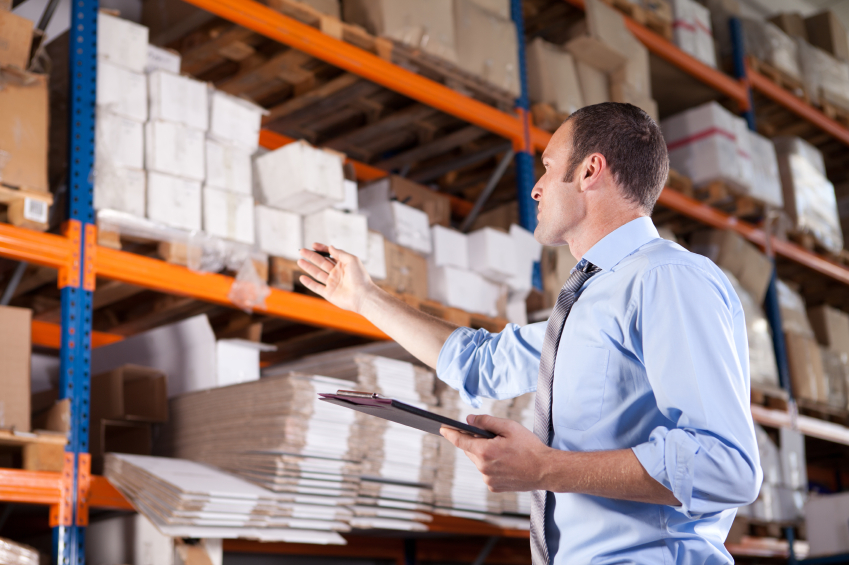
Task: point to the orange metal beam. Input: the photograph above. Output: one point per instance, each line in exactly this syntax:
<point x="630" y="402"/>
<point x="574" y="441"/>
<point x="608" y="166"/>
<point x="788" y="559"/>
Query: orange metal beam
<point x="46" y="334"/>
<point x="173" y="279"/>
<point x="713" y="217"/>
<point x="104" y="495"/>
<point x="272" y="140"/>
<point x="797" y="106"/>
<point x="714" y="78"/>
<point x="274" y="25"/>
<point x="45" y="249"/>
<point x="31" y="487"/>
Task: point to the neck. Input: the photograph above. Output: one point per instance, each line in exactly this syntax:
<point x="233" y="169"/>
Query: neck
<point x="591" y="232"/>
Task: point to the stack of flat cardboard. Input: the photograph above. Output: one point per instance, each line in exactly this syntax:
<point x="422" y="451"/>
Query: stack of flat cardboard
<point x="188" y="499"/>
<point x="17" y="553"/>
<point x="522" y="411"/>
<point x="807" y="375"/>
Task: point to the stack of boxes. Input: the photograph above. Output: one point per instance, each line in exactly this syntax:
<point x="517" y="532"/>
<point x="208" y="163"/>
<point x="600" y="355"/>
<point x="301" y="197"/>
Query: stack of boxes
<point x="831" y="328"/>
<point x="807" y="376"/>
<point x="692" y="30"/>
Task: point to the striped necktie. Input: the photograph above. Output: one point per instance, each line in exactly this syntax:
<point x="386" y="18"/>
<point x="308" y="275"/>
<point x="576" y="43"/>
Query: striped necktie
<point x="542" y="407"/>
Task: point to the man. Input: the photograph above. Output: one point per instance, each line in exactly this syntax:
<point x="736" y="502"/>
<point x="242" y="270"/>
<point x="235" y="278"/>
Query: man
<point x="643" y="445"/>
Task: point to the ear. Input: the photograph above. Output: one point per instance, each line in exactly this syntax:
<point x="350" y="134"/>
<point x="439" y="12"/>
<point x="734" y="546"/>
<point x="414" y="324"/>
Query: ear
<point x="592" y="170"/>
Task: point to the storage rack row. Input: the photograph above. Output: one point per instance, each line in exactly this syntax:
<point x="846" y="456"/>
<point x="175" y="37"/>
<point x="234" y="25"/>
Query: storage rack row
<point x="80" y="261"/>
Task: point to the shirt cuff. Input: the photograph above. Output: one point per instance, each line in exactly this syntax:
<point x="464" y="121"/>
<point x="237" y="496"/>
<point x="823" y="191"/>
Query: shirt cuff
<point x="455" y="361"/>
<point x="670" y="458"/>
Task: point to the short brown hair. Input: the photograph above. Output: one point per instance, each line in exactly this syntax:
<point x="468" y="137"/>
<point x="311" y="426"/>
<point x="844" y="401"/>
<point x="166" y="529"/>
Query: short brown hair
<point x="631" y="142"/>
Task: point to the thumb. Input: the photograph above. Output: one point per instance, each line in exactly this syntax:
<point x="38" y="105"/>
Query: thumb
<point x="498" y="426"/>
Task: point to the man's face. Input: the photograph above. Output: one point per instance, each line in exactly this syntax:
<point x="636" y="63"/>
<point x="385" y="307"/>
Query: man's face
<point x="561" y="204"/>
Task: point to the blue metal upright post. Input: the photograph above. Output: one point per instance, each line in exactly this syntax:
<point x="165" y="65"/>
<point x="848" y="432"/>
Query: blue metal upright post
<point x="77" y="282"/>
<point x="771" y="308"/>
<point x="525" y="153"/>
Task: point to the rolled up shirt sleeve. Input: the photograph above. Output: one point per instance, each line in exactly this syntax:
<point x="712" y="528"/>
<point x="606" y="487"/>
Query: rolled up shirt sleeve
<point x="697" y="365"/>
<point x="501" y="365"/>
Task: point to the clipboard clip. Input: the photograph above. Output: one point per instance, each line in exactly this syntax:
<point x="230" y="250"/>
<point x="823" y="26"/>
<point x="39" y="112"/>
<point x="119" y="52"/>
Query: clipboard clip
<point x="358" y="394"/>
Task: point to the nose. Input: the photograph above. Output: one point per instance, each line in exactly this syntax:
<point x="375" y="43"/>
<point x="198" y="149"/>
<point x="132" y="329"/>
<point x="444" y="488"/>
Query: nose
<point x="536" y="193"/>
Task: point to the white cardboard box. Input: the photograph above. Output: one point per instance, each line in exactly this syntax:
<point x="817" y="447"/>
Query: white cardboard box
<point x="376" y="262"/>
<point x="228" y="167"/>
<point x="174" y="201"/>
<point x="827" y="519"/>
<point x="228" y="215"/>
<point x="745" y="164"/>
<point x="278" y="232"/>
<point x="684" y="26"/>
<point x="175" y="149"/>
<point x="552" y="77"/>
<point x="399" y="223"/>
<point x="492" y="253"/>
<point x="179" y="99"/>
<point x="122" y="91"/>
<point x="459" y="288"/>
<point x="237" y="361"/>
<point x="164" y="59"/>
<point x="704" y="47"/>
<point x="234" y="120"/>
<point x="348" y="232"/>
<point x="300" y="178"/>
<point x="766" y="183"/>
<point x="119" y="141"/>
<point x="351" y="203"/>
<point x="528" y="251"/>
<point x="702" y="144"/>
<point x="450" y="248"/>
<point x="486" y="45"/>
<point x="119" y="188"/>
<point x="121" y="42"/>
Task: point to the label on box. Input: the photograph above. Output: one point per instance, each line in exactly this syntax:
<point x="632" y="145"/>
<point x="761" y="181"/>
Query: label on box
<point x="35" y="210"/>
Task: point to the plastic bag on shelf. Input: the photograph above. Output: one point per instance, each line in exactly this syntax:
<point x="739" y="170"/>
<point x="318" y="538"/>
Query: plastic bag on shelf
<point x="249" y="290"/>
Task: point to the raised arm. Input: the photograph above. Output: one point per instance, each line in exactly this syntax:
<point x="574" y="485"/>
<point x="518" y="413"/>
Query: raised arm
<point x="345" y="283"/>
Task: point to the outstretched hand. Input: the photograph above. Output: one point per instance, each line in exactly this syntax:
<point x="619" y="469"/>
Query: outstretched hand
<point x="341" y="280"/>
<point x="512" y="461"/>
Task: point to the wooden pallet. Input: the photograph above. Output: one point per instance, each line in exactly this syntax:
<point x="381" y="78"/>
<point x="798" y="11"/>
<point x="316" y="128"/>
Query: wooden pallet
<point x="657" y="17"/>
<point x="39" y="451"/>
<point x="769" y="396"/>
<point x="26" y="208"/>
<point x="812" y="244"/>
<point x="546" y="117"/>
<point x="679" y="183"/>
<point x="792" y="84"/>
<point x="823" y="411"/>
<point x="834" y="111"/>
<point x="285" y="274"/>
<point x="720" y="195"/>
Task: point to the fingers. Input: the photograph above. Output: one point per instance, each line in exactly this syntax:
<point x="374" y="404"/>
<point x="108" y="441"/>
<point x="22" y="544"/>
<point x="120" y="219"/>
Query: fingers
<point x="317" y="288"/>
<point x="498" y="426"/>
<point x="313" y="271"/>
<point x="311" y="256"/>
<point x="459" y="439"/>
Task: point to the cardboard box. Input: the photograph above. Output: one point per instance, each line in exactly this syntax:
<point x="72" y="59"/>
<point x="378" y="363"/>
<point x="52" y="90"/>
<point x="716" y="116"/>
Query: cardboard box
<point x="626" y="93"/>
<point x="278" y="232"/>
<point x="705" y="50"/>
<point x="610" y="41"/>
<point x="492" y="254"/>
<point x="237" y="361"/>
<point x="122" y="91"/>
<point x="766" y="181"/>
<point x="437" y="206"/>
<point x="122" y="42"/>
<point x="120" y="188"/>
<point x="175" y="149"/>
<point x="831" y="327"/>
<point x="234" y="120"/>
<point x="228" y="167"/>
<point x="836" y="369"/>
<point x="163" y="59"/>
<point x="794" y="469"/>
<point x="827" y="32"/>
<point x="807" y="376"/>
<point x="487" y="46"/>
<point x="376" y="262"/>
<point x="117" y="436"/>
<point x="528" y="251"/>
<point x="557" y="263"/>
<point x="397" y="222"/>
<point x="746" y="168"/>
<point x="119" y="141"/>
<point x="178" y="99"/>
<point x="300" y="178"/>
<point x="228" y="215"/>
<point x="731" y="251"/>
<point x="348" y="232"/>
<point x="450" y="248"/>
<point x="827" y="521"/>
<point x="501" y="217"/>
<point x="174" y="201"/>
<point x="552" y="77"/>
<point x="351" y="201"/>
<point x="768" y="43"/>
<point x="130" y="392"/>
<point x="406" y="270"/>
<point x="824" y="75"/>
<point x="15" y="350"/>
<point x="23" y="129"/>
<point x="684" y="26"/>
<point x="461" y="288"/>
<point x="428" y="26"/>
<point x="791" y="23"/>
<point x="794" y="317"/>
<point x="15" y="40"/>
<point x="595" y="85"/>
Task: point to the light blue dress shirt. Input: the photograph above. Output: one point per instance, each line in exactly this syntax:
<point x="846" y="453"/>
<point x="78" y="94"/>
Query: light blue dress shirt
<point x="653" y="357"/>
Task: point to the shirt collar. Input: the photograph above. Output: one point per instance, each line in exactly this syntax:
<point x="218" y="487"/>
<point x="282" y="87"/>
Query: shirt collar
<point x="621" y="242"/>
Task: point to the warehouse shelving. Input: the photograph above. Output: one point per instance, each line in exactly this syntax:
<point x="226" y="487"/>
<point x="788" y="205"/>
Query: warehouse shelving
<point x="79" y="261"/>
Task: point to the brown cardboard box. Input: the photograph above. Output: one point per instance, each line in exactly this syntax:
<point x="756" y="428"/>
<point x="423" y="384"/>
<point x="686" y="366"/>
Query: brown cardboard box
<point x="552" y="78"/>
<point x="118" y="436"/>
<point x="831" y="327"/>
<point x="730" y="251"/>
<point x="836" y="369"/>
<point x="130" y="393"/>
<point x="23" y="129"/>
<point x="595" y="84"/>
<point x="807" y="376"/>
<point x="406" y="271"/>
<point x="6" y="5"/>
<point x="15" y="351"/>
<point x="500" y="217"/>
<point x="436" y="206"/>
<point x="791" y="23"/>
<point x="621" y="91"/>
<point x="487" y="46"/>
<point x="826" y="32"/>
<point x="15" y="40"/>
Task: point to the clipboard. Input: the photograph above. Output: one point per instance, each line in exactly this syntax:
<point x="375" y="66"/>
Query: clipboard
<point x="393" y="410"/>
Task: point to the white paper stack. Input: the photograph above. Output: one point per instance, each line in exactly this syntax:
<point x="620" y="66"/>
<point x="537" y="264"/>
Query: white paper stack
<point x="522" y="411"/>
<point x="17" y="553"/>
<point x="188" y="499"/>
